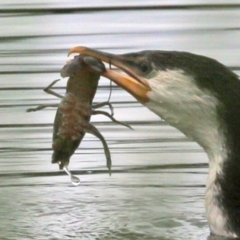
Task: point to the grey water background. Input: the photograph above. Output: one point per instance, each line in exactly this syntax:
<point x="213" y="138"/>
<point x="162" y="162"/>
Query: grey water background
<point x="157" y="187"/>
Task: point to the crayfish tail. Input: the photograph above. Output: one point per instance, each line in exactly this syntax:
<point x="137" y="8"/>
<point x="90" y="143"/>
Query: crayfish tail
<point x="63" y="161"/>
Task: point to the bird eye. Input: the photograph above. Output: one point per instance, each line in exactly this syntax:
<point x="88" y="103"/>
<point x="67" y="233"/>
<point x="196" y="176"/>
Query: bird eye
<point x="145" y="67"/>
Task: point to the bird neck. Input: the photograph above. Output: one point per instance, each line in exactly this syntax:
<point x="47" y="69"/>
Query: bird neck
<point x="217" y="209"/>
<point x="214" y="124"/>
<point x="222" y="197"/>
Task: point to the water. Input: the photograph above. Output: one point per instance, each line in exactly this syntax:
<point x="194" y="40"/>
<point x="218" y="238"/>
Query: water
<point x="156" y="190"/>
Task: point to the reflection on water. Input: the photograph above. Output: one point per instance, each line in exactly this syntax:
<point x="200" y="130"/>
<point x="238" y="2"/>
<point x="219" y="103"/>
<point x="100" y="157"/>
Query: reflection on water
<point x="157" y="187"/>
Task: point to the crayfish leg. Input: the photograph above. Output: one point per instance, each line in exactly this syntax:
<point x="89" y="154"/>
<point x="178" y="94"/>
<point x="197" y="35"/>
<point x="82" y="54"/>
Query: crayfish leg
<point x="112" y="118"/>
<point x="40" y="107"/>
<point x="89" y="128"/>
<point x="51" y="92"/>
<point x="99" y="105"/>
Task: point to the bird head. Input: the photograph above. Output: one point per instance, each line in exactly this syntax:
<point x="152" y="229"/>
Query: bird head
<point x="188" y="91"/>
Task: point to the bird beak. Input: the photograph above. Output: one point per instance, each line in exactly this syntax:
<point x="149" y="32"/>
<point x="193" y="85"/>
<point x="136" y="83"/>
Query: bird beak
<point x="131" y="82"/>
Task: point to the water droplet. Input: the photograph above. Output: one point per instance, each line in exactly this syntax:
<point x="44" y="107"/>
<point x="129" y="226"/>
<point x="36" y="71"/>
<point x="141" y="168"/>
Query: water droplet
<point x="75" y="180"/>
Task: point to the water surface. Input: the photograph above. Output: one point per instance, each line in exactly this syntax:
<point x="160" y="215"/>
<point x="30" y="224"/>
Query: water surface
<point x="157" y="187"/>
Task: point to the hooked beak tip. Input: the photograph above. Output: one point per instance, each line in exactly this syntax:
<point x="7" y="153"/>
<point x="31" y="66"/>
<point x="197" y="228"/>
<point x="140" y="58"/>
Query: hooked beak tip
<point x="77" y="49"/>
